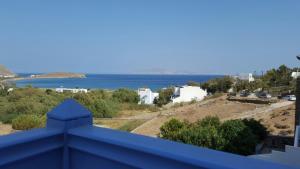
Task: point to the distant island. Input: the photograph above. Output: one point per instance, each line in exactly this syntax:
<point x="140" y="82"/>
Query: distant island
<point x="7" y="75"/>
<point x="58" y="75"/>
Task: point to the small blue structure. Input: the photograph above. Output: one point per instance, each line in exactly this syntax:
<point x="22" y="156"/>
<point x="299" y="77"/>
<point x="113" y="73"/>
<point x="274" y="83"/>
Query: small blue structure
<point x="71" y="142"/>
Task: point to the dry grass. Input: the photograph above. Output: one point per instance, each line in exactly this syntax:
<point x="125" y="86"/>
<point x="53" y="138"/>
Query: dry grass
<point x="5" y="129"/>
<point x="131" y="125"/>
<point x="111" y="123"/>
<point x="280" y="121"/>
<point x="192" y="112"/>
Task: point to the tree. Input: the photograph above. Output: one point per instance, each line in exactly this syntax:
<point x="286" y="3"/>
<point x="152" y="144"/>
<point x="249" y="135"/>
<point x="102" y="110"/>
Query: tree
<point x="218" y="85"/>
<point x="48" y="91"/>
<point x="126" y="96"/>
<point x="104" y="108"/>
<point x="209" y="121"/>
<point x="164" y="97"/>
<point x="278" y="77"/>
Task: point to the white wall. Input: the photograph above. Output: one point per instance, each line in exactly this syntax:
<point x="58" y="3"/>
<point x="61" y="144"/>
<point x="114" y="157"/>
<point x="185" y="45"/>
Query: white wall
<point x="189" y="93"/>
<point x="295" y="75"/>
<point x="146" y="96"/>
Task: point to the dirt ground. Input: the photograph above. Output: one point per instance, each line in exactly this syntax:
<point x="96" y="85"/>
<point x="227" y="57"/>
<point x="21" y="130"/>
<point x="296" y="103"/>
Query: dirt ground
<point x="5" y="129"/>
<point x="277" y="117"/>
<point x="279" y="121"/>
<point x="213" y="107"/>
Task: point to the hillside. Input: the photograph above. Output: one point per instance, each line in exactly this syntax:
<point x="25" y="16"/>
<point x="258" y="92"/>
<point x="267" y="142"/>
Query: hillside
<point x="4" y="71"/>
<point x="277" y="117"/>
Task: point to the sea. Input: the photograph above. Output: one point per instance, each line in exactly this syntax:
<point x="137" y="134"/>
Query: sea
<point x="114" y="81"/>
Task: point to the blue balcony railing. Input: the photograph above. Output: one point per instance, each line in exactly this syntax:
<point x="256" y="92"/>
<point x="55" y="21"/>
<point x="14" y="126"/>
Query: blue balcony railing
<point x="71" y="142"/>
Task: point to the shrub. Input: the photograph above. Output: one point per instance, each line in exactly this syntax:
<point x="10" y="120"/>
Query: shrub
<point x="3" y="91"/>
<point x="104" y="108"/>
<point x="257" y="128"/>
<point x="209" y="121"/>
<point x="125" y="96"/>
<point x="281" y="126"/>
<point x="231" y="136"/>
<point x="164" y="97"/>
<point x="170" y="130"/>
<point x="207" y="136"/>
<point x="7" y="118"/>
<point x="193" y="101"/>
<point x="218" y="85"/>
<point x="26" y="122"/>
<point x="239" y="138"/>
<point x="48" y="91"/>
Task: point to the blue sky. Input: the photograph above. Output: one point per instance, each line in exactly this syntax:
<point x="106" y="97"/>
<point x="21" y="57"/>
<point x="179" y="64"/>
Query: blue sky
<point x="154" y="36"/>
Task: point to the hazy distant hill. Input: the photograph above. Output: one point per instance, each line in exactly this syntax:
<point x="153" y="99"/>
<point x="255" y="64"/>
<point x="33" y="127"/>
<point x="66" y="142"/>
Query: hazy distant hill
<point x="4" y="71"/>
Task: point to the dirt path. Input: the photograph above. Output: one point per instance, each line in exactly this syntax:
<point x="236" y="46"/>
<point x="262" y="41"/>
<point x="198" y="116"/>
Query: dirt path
<point x="261" y="110"/>
<point x="144" y="116"/>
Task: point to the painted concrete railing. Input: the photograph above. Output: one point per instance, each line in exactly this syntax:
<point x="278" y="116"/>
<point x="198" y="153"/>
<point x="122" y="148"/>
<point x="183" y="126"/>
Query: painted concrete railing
<point x="71" y="142"/>
<point x="297" y="135"/>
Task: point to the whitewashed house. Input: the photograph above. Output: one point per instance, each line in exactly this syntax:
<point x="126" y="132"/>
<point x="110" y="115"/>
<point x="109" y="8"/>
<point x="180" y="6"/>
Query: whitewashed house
<point x="245" y="76"/>
<point x="295" y="75"/>
<point x="147" y="96"/>
<point x="188" y="93"/>
<point x="61" y="90"/>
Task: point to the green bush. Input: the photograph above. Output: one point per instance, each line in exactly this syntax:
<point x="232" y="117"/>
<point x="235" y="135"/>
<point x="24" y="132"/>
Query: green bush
<point x="257" y="128"/>
<point x="207" y="136"/>
<point x="218" y="85"/>
<point x="26" y="122"/>
<point x="126" y="96"/>
<point x="104" y="108"/>
<point x="209" y="121"/>
<point x="164" y="96"/>
<point x="231" y="136"/>
<point x="238" y="137"/>
<point x="170" y="130"/>
<point x="49" y="91"/>
<point x="7" y="118"/>
<point x="25" y="101"/>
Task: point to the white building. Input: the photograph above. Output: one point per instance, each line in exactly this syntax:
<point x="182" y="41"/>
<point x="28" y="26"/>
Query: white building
<point x="61" y="90"/>
<point x="188" y="93"/>
<point x="10" y="89"/>
<point x="295" y="75"/>
<point x="147" y="96"/>
<point x="7" y="75"/>
<point x="245" y="76"/>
